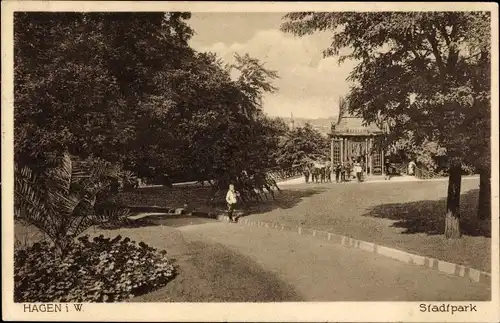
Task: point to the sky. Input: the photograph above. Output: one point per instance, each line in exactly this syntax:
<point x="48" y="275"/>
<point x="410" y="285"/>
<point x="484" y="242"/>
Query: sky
<point x="309" y="85"/>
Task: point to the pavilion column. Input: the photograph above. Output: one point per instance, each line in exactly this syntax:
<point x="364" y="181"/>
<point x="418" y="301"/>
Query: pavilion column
<point x="331" y="151"/>
<point x="366" y="155"/>
<point x="370" y="156"/>
<point x="383" y="162"/>
<point x="341" y="150"/>
<point x="347" y="150"/>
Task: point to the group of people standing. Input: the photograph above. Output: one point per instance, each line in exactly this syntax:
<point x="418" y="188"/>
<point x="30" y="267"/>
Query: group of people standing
<point x="318" y="174"/>
<point x="343" y="172"/>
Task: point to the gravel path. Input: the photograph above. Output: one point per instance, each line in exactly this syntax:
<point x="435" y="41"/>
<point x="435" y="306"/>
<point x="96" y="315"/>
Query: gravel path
<point x="229" y="262"/>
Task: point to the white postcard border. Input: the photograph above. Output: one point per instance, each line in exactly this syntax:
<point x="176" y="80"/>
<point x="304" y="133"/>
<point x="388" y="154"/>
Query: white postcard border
<point x="263" y="312"/>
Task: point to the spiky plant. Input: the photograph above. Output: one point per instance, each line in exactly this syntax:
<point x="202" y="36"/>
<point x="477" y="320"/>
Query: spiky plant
<point x="61" y="201"/>
<point x="129" y="179"/>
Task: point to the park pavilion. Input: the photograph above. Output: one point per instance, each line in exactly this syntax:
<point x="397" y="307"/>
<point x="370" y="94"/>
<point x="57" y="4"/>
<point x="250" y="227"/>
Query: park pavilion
<point x="352" y="138"/>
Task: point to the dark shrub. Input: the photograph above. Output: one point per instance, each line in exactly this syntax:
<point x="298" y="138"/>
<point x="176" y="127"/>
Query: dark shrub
<point x="98" y="270"/>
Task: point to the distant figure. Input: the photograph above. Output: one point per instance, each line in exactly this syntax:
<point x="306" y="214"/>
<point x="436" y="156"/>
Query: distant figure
<point x="387" y="167"/>
<point x="353" y="171"/>
<point x="358" y="170"/>
<point x="315" y="172"/>
<point x="322" y="174"/>
<point x="306" y="173"/>
<point x="338" y="169"/>
<point x="328" y="174"/>
<point x="348" y="171"/>
<point x="343" y="170"/>
<point x="232" y="197"/>
<point x="411" y="168"/>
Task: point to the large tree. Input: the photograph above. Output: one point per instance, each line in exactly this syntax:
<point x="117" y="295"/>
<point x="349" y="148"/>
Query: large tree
<point x="425" y="73"/>
<point x="230" y="135"/>
<point x="126" y="87"/>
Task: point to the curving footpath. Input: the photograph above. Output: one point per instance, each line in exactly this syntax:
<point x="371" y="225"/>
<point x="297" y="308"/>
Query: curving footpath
<point x="320" y="270"/>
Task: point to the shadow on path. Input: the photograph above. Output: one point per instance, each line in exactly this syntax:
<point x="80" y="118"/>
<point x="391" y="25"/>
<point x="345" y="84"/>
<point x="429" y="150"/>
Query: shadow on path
<point x="428" y="216"/>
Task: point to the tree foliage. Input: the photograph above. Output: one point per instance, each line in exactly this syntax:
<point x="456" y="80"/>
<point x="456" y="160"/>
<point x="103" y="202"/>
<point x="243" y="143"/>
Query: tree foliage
<point x="127" y="88"/>
<point x="301" y="145"/>
<point x="84" y="80"/>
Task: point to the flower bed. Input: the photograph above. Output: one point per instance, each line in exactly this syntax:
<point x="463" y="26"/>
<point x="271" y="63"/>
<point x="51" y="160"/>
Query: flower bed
<point x="97" y="270"/>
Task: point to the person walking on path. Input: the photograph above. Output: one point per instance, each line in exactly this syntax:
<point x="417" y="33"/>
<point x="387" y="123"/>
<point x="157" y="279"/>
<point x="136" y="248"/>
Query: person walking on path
<point x="232" y="197"/>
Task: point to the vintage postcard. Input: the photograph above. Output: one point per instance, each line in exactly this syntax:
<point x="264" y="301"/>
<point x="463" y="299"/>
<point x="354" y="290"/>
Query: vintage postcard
<point x="250" y="161"/>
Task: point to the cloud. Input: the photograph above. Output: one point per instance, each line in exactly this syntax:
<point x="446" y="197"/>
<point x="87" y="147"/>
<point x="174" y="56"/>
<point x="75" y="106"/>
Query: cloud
<point x="309" y="85"/>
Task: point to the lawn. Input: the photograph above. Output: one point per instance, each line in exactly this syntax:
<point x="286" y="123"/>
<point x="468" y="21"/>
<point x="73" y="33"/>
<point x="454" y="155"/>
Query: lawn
<point x="200" y="198"/>
<point x="403" y="215"/>
<point x="174" y="197"/>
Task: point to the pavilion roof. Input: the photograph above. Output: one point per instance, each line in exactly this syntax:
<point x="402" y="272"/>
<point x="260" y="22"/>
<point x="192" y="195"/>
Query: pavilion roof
<point x="350" y="125"/>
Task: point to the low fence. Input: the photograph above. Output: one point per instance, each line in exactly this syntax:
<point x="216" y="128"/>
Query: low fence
<point x="402" y="169"/>
<point x="425" y="174"/>
<point x="282" y="174"/>
<point x="418" y="172"/>
<point x="277" y="174"/>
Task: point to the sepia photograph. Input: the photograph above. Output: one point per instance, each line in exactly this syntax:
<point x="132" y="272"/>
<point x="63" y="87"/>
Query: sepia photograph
<point x="301" y="156"/>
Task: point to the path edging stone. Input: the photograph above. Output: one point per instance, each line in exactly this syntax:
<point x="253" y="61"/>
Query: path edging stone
<point x="443" y="266"/>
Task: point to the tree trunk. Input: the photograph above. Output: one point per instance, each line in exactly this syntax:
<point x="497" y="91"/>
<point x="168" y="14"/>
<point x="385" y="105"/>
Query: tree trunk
<point x="452" y="223"/>
<point x="484" y="203"/>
